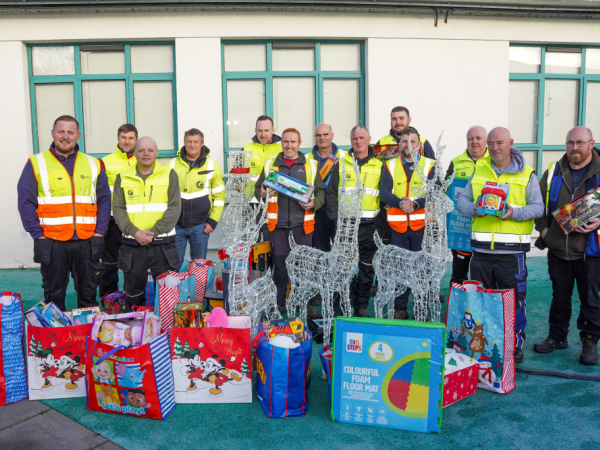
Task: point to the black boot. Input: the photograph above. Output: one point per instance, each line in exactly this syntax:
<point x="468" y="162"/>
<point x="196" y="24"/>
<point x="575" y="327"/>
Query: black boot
<point x="549" y="345"/>
<point x="362" y="313"/>
<point x="312" y="312"/>
<point x="518" y="355"/>
<point x="589" y="352"/>
<point x="400" y="314"/>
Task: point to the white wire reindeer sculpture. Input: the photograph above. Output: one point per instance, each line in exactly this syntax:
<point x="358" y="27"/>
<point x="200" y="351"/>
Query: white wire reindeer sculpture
<point x="254" y="298"/>
<point x="313" y="271"/>
<point x="398" y="269"/>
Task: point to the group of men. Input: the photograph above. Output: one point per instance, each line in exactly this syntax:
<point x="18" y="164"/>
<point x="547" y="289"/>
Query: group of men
<point x="90" y="218"/>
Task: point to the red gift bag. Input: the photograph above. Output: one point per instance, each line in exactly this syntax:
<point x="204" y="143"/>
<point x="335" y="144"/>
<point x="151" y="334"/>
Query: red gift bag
<point x="56" y="361"/>
<point x="200" y="268"/>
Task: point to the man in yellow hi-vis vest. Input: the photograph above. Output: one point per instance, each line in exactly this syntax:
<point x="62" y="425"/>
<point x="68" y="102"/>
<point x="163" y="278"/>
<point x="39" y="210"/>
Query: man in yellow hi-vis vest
<point x="500" y="243"/>
<point x="64" y="202"/>
<point x="146" y="207"/>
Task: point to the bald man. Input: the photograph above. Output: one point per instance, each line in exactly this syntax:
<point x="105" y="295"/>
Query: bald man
<point x="500" y="243"/>
<point x="576" y="256"/>
<point x="146" y="207"/>
<point x="464" y="166"/>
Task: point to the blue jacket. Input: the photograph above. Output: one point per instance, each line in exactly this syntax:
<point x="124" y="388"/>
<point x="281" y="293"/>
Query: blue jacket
<point x="27" y="190"/>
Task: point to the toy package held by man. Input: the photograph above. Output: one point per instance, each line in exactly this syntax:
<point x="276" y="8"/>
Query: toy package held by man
<point x="289" y="186"/>
<point x="292" y="327"/>
<point x="188" y="315"/>
<point x="580" y="211"/>
<point x="47" y="316"/>
<point x="386" y="152"/>
<point x="493" y="199"/>
<point x="325" y="171"/>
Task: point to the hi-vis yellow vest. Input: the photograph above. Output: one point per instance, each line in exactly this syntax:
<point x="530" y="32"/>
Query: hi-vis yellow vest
<point x="146" y="202"/>
<point x="389" y="140"/>
<point x="464" y="166"/>
<point x="310" y="167"/>
<point x="403" y="187"/>
<point x="114" y="164"/>
<point x="66" y="205"/>
<point x="489" y="232"/>
<point x="370" y="175"/>
<point x="260" y="154"/>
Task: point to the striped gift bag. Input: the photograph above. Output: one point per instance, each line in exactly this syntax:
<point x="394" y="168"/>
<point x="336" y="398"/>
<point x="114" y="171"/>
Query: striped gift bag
<point x="173" y="287"/>
<point x="13" y="377"/>
<point x="203" y="270"/>
<point x="136" y="381"/>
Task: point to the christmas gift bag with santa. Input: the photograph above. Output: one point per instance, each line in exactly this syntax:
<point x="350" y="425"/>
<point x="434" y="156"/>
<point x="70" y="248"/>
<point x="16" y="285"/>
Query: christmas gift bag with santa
<point x="213" y="364"/>
<point x="480" y="323"/>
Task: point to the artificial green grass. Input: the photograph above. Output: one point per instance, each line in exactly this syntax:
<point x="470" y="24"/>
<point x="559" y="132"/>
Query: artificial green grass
<point x="541" y="413"/>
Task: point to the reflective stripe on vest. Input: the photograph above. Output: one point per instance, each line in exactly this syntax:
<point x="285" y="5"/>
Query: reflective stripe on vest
<point x="370" y="174"/>
<point x="398" y="219"/>
<point x="310" y="167"/>
<point x="66" y="205"/>
<point x="114" y="164"/>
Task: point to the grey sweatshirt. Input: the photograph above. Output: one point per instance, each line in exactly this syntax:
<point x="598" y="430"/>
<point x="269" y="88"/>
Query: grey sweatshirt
<point x="533" y="197"/>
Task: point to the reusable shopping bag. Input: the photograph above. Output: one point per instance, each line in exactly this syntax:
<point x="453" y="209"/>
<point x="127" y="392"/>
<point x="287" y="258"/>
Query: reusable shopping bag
<point x="283" y="376"/>
<point x="13" y="376"/>
<point x="56" y="361"/>
<point x="481" y="324"/>
<point x="325" y="354"/>
<point x="213" y="365"/>
<point x="204" y="271"/>
<point x="134" y="381"/>
<point x="173" y="287"/>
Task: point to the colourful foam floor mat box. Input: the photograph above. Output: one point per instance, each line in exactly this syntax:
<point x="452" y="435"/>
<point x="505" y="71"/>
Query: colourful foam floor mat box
<point x="388" y="373"/>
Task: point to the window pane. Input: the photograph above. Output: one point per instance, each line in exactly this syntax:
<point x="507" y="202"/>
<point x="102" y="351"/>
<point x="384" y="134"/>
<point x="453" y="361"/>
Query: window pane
<point x="153" y="107"/>
<point x="293" y="59"/>
<point x="592" y="60"/>
<point x="53" y="60"/>
<point x="561" y="108"/>
<point x="525" y="59"/>
<point x="548" y="157"/>
<point x="523" y="111"/>
<point x="341" y="107"/>
<point x="530" y="158"/>
<point x="245" y="102"/>
<point x="592" y="107"/>
<point x="245" y="57"/>
<point x="563" y="62"/>
<point x="294" y="106"/>
<point x="104" y="111"/>
<point x="51" y="101"/>
<point x="151" y="59"/>
<point x="102" y="61"/>
<point x="340" y="57"/>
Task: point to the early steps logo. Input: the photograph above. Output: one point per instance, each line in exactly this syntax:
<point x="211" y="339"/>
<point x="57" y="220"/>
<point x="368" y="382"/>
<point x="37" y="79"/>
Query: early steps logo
<point x="354" y="342"/>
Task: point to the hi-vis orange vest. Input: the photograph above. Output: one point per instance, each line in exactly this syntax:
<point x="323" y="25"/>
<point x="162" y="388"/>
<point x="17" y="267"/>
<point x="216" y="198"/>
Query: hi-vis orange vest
<point x="66" y="205"/>
<point x="310" y="167"/>
<point x="398" y="219"/>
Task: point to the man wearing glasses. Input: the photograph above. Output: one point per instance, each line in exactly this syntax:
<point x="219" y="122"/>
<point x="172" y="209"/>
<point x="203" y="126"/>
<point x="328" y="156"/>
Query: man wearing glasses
<point x="576" y="256"/>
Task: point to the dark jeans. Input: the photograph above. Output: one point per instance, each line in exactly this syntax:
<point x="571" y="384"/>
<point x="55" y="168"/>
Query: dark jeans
<point x="563" y="275"/>
<point x="59" y="258"/>
<point x="135" y="260"/>
<point x="324" y="233"/>
<point x="366" y="273"/>
<point x="280" y="248"/>
<point x="410" y="240"/>
<point x="382" y="225"/>
<point x="460" y="266"/>
<point x="112" y="243"/>
<point x="504" y="272"/>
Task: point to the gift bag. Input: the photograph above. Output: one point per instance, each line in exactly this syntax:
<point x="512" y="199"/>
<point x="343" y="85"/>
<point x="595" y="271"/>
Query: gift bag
<point x="173" y="287"/>
<point x="204" y="271"/>
<point x="136" y="381"/>
<point x="213" y="365"/>
<point x="56" y="361"/>
<point x="13" y="377"/>
<point x="461" y="375"/>
<point x="481" y="324"/>
<point x="283" y="376"/>
<point x="326" y="354"/>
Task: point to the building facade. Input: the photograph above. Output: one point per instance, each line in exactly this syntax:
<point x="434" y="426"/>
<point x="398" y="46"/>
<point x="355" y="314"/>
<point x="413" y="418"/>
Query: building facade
<point x="167" y="68"/>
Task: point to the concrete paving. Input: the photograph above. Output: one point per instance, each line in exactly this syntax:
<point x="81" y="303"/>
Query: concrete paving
<point x="31" y="425"/>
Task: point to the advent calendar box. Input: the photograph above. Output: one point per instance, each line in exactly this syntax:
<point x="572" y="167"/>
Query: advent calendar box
<point x="460" y="378"/>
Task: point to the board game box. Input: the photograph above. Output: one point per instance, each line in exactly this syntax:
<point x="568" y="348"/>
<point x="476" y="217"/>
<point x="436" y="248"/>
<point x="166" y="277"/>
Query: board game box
<point x="580" y="211"/>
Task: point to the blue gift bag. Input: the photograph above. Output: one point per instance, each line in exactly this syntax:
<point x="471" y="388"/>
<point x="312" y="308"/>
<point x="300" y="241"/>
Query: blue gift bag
<point x="325" y="354"/>
<point x="13" y="378"/>
<point x="283" y="376"/>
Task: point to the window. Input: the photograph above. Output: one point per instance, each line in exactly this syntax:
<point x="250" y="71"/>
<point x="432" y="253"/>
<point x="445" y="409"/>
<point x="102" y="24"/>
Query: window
<point x="104" y="86"/>
<point x="551" y="90"/>
<point x="299" y="84"/>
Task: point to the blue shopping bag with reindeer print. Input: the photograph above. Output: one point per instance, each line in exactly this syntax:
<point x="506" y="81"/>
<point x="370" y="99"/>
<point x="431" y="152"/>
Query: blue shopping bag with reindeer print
<point x="480" y="323"/>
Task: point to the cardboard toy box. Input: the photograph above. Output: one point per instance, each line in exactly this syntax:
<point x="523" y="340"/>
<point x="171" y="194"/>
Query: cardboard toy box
<point x="388" y="373"/>
<point x="461" y="376"/>
<point x="327" y="167"/>
<point x="386" y="152"/>
<point x="289" y="186"/>
<point x="579" y="211"/>
<point x="493" y="199"/>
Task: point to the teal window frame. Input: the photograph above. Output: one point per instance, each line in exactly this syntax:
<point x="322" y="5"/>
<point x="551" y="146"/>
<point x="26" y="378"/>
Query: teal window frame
<point x="269" y="74"/>
<point x="541" y="77"/>
<point x="78" y="78"/>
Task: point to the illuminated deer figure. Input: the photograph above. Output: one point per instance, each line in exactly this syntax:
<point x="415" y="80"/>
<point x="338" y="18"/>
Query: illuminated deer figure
<point x="398" y="269"/>
<point x="313" y="271"/>
<point x="259" y="296"/>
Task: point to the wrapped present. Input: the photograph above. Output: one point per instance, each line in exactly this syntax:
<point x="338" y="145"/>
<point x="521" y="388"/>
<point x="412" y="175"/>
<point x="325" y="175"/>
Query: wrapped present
<point x="114" y="303"/>
<point x="461" y="376"/>
<point x="188" y="315"/>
